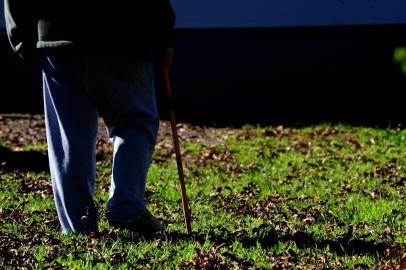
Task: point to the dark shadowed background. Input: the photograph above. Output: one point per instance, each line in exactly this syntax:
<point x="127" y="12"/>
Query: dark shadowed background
<point x="267" y="61"/>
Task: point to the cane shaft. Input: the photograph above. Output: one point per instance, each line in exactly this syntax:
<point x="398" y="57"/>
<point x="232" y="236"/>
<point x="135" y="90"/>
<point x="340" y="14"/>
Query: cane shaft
<point x="185" y="203"/>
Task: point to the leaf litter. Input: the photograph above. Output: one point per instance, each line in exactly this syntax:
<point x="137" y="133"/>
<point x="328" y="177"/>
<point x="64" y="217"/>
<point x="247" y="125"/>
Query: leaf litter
<point x="16" y="244"/>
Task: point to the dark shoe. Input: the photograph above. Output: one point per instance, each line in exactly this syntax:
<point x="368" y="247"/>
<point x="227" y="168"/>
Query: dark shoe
<point x="143" y="223"/>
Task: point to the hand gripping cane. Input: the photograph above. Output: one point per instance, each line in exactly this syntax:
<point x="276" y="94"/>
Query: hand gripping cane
<point x="168" y="57"/>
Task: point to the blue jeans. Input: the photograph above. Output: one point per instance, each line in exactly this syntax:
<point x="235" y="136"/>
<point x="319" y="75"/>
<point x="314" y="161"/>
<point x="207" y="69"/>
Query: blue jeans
<point x="77" y="90"/>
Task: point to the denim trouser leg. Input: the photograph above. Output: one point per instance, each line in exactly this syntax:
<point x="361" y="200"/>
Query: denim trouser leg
<point x="132" y="156"/>
<point x="134" y="135"/>
<point x="76" y="91"/>
<point x="71" y="125"/>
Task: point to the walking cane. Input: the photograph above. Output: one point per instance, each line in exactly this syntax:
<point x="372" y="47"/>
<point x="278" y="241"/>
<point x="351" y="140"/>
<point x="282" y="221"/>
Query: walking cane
<point x="167" y="85"/>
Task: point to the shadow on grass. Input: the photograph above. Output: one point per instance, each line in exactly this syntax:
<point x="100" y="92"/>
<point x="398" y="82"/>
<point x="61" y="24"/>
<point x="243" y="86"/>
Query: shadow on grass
<point x="24" y="160"/>
<point x="269" y="237"/>
<point x="265" y="236"/>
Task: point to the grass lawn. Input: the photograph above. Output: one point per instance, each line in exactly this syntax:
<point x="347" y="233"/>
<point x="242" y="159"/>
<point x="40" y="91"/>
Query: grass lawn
<point x="315" y="197"/>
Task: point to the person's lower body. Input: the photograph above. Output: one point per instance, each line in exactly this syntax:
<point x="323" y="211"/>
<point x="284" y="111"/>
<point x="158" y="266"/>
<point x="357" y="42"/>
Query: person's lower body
<point x="76" y="92"/>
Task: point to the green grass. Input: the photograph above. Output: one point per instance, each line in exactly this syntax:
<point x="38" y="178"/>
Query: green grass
<point x="319" y="197"/>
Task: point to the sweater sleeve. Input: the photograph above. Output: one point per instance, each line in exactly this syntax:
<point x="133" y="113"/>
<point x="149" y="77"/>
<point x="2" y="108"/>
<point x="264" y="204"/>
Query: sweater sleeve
<point x="21" y="26"/>
<point x="170" y="19"/>
<point x="164" y="26"/>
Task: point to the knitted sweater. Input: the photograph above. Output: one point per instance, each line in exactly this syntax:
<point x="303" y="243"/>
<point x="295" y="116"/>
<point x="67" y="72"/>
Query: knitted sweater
<point x="119" y="27"/>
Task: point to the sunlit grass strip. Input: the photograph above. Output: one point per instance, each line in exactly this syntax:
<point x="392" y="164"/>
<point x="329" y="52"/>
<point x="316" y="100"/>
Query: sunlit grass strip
<point x="318" y="197"/>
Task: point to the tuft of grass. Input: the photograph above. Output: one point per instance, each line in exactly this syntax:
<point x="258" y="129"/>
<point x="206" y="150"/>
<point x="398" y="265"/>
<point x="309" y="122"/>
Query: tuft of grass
<point x="400" y="57"/>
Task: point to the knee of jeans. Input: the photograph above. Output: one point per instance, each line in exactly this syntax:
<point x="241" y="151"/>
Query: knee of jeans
<point x="148" y="125"/>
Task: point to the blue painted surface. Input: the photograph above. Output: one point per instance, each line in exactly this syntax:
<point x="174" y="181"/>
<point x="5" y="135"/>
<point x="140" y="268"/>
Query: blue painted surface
<point x="280" y="13"/>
